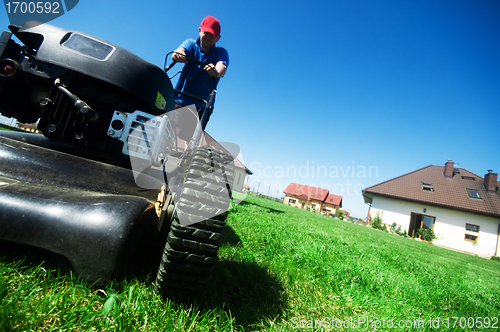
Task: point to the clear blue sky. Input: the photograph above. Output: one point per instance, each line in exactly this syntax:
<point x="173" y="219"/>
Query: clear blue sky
<point x="317" y="89"/>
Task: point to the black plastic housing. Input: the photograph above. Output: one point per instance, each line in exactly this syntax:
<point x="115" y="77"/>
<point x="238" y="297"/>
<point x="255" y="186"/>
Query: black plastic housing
<point x="90" y="212"/>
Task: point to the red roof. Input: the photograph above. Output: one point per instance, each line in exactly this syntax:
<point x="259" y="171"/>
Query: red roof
<point x="334" y="199"/>
<point x="313" y="193"/>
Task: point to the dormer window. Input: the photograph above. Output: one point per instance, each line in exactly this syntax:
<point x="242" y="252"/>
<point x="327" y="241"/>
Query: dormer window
<point x="313" y="195"/>
<point x="427" y="186"/>
<point x="473" y="193"/>
<point x="319" y="196"/>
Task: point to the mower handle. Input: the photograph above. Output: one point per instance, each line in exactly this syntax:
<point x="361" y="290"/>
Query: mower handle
<point x="188" y="58"/>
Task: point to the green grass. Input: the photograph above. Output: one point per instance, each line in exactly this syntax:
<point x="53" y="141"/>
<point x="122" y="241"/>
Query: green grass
<point x="6" y="128"/>
<point x="280" y="267"/>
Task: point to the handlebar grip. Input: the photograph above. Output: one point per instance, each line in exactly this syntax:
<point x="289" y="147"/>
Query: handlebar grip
<point x="170" y="66"/>
<point x="203" y="64"/>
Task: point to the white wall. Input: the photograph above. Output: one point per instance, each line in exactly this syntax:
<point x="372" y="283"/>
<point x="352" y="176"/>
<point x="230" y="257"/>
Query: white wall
<point x="239" y="179"/>
<point x="449" y="226"/>
<point x="8" y="121"/>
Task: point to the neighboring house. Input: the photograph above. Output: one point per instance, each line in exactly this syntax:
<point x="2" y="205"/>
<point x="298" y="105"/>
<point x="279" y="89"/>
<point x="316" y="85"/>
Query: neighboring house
<point x="311" y="198"/>
<point x="347" y="214"/>
<point x="461" y="207"/>
<point x="33" y="127"/>
<point x="240" y="170"/>
<point x="11" y="122"/>
<point x="246" y="187"/>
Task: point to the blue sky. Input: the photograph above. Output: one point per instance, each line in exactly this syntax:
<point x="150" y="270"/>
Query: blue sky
<point x="339" y="94"/>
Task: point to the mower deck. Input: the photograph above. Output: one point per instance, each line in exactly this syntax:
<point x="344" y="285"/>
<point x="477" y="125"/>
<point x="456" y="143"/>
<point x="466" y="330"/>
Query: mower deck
<point x="90" y="212"/>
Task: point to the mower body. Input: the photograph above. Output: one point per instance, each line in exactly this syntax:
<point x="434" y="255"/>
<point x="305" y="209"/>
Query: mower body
<point x="71" y="190"/>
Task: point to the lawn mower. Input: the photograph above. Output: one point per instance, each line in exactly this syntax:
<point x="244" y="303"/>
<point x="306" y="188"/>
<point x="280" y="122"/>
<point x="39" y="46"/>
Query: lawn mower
<point x="112" y="169"/>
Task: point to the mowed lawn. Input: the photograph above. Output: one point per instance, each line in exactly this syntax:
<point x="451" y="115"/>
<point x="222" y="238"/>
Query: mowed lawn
<point x="280" y="269"/>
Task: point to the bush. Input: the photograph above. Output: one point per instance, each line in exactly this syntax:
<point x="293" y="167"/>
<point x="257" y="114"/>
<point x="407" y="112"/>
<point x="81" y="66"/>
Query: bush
<point x="427" y="234"/>
<point x="377" y="222"/>
<point x="495" y="258"/>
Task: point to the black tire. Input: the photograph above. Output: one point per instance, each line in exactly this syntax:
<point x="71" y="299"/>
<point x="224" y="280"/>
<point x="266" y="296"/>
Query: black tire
<point x="193" y="240"/>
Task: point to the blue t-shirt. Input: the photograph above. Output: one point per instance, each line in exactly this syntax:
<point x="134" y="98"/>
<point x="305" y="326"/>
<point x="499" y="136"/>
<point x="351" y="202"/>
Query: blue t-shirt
<point x="193" y="79"/>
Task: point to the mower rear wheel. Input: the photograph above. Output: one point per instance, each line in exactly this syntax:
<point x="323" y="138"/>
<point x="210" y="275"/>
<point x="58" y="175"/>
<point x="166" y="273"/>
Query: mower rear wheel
<point x="194" y="238"/>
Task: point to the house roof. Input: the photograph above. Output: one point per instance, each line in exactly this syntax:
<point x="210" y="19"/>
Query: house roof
<point x="216" y="145"/>
<point x="428" y="185"/>
<point x="334" y="199"/>
<point x="312" y="193"/>
<point x="307" y="192"/>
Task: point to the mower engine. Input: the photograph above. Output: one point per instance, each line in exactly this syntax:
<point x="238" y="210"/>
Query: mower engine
<point x="84" y="91"/>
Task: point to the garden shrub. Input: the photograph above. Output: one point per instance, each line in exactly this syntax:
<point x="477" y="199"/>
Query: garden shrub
<point x="427" y="234"/>
<point x="377" y="222"/>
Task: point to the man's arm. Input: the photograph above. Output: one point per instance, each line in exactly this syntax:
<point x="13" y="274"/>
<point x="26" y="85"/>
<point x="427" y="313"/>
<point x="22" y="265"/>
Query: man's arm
<point x="179" y="55"/>
<point x="219" y="70"/>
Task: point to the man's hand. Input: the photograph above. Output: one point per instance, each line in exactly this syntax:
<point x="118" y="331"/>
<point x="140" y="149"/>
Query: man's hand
<point x="210" y="69"/>
<point x="179" y="55"/>
<point x="219" y="70"/>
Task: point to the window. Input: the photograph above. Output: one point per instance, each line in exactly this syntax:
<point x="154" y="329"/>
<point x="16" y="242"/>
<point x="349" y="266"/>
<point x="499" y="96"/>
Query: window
<point x="313" y="195"/>
<point x="473" y="193"/>
<point x="319" y="196"/>
<point x="468" y="178"/>
<point x="292" y="201"/>
<point x="472" y="228"/>
<point x="427" y="186"/>
<point x="470" y="238"/>
<point x="89" y="47"/>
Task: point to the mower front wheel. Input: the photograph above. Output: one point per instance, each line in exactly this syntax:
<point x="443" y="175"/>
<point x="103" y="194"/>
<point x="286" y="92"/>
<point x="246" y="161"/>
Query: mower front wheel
<point x="191" y="248"/>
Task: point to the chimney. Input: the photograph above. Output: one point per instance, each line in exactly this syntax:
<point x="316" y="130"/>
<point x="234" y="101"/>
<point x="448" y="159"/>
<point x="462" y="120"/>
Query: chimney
<point x="448" y="169"/>
<point x="490" y="181"/>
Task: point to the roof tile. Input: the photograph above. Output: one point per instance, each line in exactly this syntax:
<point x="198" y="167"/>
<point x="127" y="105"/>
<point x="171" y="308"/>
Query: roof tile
<point x="446" y="192"/>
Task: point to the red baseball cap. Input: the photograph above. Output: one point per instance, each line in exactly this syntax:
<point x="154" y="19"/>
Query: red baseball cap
<point x="210" y="24"/>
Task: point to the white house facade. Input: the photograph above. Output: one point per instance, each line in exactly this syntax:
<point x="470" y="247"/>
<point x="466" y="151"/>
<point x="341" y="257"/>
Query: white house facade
<point x="11" y="122"/>
<point x="451" y="227"/>
<point x="462" y="208"/>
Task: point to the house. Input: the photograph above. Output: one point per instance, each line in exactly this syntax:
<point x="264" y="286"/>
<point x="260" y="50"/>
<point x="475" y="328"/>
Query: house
<point x="240" y="170"/>
<point x="462" y="208"/>
<point x="11" y="122"/>
<point x="347" y="214"/>
<point x="313" y="199"/>
<point x="32" y="127"/>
